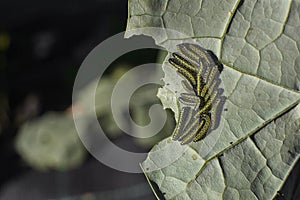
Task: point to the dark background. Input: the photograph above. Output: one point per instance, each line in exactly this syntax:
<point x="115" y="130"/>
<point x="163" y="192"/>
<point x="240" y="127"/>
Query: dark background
<point x="48" y="40"/>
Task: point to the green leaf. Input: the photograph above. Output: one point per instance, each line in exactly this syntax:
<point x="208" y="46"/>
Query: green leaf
<point x="257" y="143"/>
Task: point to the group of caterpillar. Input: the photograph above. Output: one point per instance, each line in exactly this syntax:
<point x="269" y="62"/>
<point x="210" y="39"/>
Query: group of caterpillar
<point x="203" y="101"/>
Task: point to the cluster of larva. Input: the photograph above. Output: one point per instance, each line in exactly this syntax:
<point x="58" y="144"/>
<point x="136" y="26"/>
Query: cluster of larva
<point x="203" y="101"/>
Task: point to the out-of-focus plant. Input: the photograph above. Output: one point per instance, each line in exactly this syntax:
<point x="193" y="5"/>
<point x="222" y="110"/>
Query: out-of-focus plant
<point x="50" y="142"/>
<point x="142" y="100"/>
<point x="139" y="106"/>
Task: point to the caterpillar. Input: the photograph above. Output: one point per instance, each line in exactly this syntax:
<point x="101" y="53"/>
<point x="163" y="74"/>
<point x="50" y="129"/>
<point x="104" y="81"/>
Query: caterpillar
<point x="202" y="100"/>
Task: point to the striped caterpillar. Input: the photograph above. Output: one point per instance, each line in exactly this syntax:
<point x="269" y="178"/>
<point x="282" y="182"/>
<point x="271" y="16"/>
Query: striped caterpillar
<point x="202" y="101"/>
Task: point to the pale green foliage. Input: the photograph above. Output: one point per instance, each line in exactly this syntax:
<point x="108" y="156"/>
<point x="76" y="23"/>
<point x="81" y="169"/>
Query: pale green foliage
<point x="258" y="141"/>
<point x="50" y="142"/>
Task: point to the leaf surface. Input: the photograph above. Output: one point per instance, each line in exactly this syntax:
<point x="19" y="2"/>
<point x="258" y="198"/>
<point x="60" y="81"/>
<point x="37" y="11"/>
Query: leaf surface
<point x="257" y="143"/>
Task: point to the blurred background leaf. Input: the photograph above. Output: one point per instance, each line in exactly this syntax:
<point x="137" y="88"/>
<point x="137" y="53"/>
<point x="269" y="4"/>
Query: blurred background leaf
<point x="51" y="142"/>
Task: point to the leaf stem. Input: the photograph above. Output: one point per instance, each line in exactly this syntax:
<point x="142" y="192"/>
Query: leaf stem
<point x="148" y="180"/>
